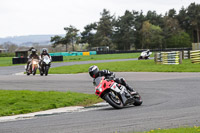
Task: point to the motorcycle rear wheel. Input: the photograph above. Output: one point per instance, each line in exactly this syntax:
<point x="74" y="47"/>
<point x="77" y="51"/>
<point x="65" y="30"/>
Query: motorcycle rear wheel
<point x="113" y="100"/>
<point x="139" y="58"/>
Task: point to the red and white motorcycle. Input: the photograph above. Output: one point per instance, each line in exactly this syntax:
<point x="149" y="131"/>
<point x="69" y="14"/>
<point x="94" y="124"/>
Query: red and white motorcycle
<point x="115" y="94"/>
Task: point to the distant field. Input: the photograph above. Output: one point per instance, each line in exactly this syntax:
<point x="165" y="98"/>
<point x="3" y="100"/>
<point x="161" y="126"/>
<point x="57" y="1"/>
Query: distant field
<point x="130" y="66"/>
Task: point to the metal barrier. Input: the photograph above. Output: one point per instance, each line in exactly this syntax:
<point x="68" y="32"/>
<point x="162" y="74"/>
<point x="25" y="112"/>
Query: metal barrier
<point x="57" y="58"/>
<point x="195" y="56"/>
<point x="73" y="53"/>
<point x="17" y="60"/>
<point x="172" y="58"/>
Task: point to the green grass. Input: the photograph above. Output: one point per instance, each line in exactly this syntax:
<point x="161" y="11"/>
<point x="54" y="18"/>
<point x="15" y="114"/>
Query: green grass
<point x="6" y="61"/>
<point x="20" y="102"/>
<point x="194" y="129"/>
<point x="101" y="57"/>
<point x="129" y="66"/>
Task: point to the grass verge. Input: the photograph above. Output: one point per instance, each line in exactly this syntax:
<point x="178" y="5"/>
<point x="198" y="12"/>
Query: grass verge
<point x="194" y="129"/>
<point x="21" y="102"/>
<point x="6" y="61"/>
<point x="101" y="57"/>
<point x="129" y="66"/>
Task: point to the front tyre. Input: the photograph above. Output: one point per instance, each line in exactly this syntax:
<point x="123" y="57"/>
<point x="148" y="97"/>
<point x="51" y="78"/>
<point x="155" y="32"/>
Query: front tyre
<point x="41" y="71"/>
<point x="46" y="70"/>
<point x="138" y="100"/>
<point x="113" y="100"/>
<point x="34" y="71"/>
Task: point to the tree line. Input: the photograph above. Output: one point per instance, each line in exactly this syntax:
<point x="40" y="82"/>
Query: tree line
<point x="136" y="30"/>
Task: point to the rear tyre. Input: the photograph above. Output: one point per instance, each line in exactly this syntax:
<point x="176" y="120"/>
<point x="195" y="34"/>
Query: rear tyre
<point x="113" y="100"/>
<point x="139" y="58"/>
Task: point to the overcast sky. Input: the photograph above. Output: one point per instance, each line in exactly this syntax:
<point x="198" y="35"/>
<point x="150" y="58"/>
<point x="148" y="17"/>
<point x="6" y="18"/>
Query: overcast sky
<point x="31" y="17"/>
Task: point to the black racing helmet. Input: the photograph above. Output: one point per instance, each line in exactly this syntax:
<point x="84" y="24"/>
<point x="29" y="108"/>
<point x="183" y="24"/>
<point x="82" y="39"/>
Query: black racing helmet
<point x="33" y="51"/>
<point x="93" y="71"/>
<point x="44" y="50"/>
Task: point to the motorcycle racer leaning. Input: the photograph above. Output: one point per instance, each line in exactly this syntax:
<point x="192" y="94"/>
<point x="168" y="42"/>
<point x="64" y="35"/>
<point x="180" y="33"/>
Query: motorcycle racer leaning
<point x="94" y="73"/>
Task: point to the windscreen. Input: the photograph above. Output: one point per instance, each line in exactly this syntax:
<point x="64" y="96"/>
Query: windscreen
<point x="97" y="81"/>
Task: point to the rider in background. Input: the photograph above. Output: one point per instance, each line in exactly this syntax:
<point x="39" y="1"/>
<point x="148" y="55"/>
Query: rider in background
<point x="33" y="55"/>
<point x="147" y="52"/>
<point x="94" y="73"/>
<point x="44" y="52"/>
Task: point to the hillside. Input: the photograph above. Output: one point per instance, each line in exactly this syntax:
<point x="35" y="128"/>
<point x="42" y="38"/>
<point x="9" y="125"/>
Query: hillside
<point x="28" y="40"/>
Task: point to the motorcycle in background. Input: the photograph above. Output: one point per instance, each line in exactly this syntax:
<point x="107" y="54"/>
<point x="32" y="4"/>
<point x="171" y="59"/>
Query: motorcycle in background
<point x="115" y="94"/>
<point x="144" y="55"/>
<point x="32" y="67"/>
<point x="45" y="65"/>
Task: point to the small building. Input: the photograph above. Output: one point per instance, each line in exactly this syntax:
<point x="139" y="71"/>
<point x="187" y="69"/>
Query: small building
<point x="3" y="50"/>
<point x="100" y="48"/>
<point x="22" y="52"/>
<point x="195" y="46"/>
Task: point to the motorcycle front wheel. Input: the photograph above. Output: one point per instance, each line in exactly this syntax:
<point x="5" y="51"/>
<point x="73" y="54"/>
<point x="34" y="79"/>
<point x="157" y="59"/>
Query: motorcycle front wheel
<point x="113" y="100"/>
<point x="34" y="71"/>
<point x="41" y="71"/>
<point x="138" y="100"/>
<point x="46" y="70"/>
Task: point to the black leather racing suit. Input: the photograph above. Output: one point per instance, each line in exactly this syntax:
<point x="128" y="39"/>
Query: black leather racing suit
<point x="43" y="54"/>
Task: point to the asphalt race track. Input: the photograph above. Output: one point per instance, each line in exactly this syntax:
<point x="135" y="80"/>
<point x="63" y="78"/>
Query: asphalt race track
<point x="170" y="100"/>
<point x="20" y="68"/>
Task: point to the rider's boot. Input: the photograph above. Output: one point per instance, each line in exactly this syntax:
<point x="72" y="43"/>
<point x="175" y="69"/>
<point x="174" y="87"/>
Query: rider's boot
<point x="131" y="90"/>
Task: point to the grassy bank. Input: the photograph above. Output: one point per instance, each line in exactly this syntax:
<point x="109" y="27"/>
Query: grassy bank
<point x="101" y="57"/>
<point x="20" y="102"/>
<point x="6" y="61"/>
<point x="7" y="54"/>
<point x="130" y="66"/>
<point x="194" y="129"/>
